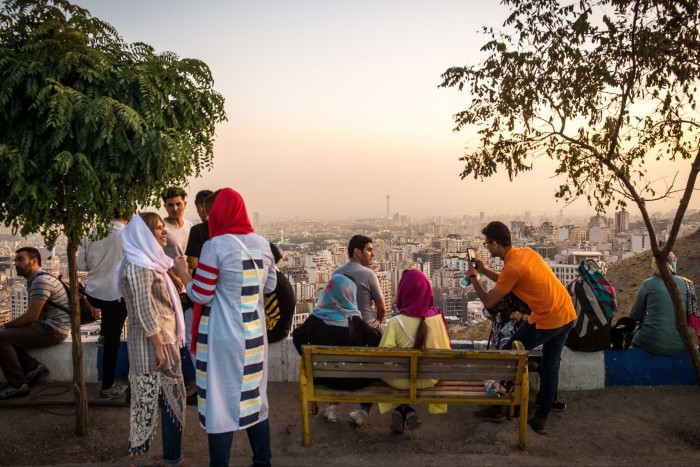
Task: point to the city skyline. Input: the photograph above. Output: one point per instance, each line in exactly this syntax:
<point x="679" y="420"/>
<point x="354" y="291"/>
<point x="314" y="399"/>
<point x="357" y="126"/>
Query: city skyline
<point x="332" y="106"/>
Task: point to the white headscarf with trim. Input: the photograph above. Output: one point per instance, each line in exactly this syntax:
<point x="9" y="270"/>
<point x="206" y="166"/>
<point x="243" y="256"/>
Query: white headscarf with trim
<point x="141" y="248"/>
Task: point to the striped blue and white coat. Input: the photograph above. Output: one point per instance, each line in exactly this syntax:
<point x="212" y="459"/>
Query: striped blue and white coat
<point x="231" y="355"/>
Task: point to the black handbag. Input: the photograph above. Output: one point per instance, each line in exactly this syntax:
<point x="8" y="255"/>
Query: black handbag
<point x="185" y="301"/>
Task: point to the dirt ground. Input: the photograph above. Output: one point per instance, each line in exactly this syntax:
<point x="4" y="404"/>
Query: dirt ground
<point x="625" y="426"/>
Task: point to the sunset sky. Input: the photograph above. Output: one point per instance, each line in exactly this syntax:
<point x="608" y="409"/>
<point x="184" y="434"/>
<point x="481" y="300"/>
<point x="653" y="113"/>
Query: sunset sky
<point x="332" y="105"/>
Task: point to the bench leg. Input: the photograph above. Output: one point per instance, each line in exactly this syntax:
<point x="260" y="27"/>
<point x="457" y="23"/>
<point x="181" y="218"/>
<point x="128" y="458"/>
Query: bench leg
<point x="524" y="398"/>
<point x="305" y="433"/>
<point x="303" y="391"/>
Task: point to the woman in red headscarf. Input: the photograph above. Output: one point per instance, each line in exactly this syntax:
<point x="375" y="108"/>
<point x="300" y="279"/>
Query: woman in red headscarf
<point x="419" y="325"/>
<point x="235" y="269"/>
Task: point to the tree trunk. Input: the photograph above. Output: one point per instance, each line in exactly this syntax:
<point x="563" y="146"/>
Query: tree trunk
<point x="681" y="317"/>
<point x="661" y="254"/>
<point x="79" y="390"/>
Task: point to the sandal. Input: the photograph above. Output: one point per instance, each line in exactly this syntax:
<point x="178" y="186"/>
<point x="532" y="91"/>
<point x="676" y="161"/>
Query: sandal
<point x="147" y="462"/>
<point x="181" y="462"/>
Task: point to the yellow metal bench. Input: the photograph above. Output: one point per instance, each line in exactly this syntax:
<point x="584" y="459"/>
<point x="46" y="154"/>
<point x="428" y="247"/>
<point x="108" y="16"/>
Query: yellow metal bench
<point x="460" y="373"/>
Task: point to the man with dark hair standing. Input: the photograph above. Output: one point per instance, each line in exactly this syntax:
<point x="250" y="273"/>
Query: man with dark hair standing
<point x="360" y="253"/>
<point x="175" y="202"/>
<point x="42" y="325"/>
<point x="100" y="259"/>
<point x="553" y="315"/>
<point x="198" y="233"/>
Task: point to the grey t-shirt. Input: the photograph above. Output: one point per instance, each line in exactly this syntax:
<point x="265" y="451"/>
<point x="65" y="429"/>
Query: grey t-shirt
<point x="367" y="289"/>
<point x="44" y="286"/>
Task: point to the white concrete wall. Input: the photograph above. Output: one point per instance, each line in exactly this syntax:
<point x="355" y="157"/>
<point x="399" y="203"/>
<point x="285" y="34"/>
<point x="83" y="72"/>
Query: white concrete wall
<point x="579" y="370"/>
<point x="283" y="362"/>
<point x="59" y="360"/>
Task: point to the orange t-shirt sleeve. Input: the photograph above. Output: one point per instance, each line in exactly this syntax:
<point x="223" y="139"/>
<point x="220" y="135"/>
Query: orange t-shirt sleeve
<point x="507" y="279"/>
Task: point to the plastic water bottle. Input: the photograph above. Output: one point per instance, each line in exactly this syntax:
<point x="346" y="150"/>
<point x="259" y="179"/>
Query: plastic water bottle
<point x="493" y="387"/>
<point x="464" y="282"/>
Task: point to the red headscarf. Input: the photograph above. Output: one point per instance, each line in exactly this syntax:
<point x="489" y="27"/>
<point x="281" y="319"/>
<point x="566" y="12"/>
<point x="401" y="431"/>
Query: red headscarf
<point x="414" y="296"/>
<point x="228" y="215"/>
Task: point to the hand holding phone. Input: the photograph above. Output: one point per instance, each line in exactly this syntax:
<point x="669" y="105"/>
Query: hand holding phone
<point x="471" y="254"/>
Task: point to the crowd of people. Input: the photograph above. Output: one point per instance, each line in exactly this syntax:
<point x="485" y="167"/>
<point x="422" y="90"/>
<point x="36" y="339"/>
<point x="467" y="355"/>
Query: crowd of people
<point x="207" y="299"/>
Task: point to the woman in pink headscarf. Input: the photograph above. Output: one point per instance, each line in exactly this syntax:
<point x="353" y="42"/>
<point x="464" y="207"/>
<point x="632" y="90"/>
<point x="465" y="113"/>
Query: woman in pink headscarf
<point x="419" y="325"/>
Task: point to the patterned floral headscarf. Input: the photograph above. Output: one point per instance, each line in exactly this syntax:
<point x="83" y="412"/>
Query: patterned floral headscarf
<point x="337" y="302"/>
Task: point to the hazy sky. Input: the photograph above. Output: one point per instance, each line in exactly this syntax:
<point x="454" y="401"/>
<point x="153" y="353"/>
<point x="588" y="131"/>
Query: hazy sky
<point x="332" y="105"/>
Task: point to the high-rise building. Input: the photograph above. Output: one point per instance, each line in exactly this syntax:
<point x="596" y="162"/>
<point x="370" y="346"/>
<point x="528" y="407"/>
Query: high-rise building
<point x="622" y="221"/>
<point x="385" y="286"/>
<point x="19" y="299"/>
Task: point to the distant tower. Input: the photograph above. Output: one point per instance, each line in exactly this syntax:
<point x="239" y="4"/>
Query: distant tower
<point x="387" y="206"/>
<point x="622" y="221"/>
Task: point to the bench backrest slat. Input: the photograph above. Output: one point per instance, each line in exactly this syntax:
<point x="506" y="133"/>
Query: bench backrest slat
<point x="437" y="368"/>
<point x="361" y="370"/>
<point x="463" y="366"/>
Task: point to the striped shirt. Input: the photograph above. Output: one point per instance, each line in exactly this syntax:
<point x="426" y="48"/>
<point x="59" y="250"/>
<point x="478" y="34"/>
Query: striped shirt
<point x="43" y="286"/>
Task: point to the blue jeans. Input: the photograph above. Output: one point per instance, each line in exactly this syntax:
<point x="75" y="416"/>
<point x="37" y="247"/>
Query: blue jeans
<point x="552" y="341"/>
<point x="171" y="434"/>
<point x="258" y="437"/>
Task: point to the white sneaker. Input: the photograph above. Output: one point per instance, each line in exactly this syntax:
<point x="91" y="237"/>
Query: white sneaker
<point x="115" y="392"/>
<point x="359" y="416"/>
<point x="331" y="413"/>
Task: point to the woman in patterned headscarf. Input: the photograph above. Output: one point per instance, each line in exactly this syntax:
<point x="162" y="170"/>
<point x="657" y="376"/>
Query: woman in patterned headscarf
<point x="336" y="320"/>
<point x="594" y="301"/>
<point x="235" y="268"/>
<point x="653" y="307"/>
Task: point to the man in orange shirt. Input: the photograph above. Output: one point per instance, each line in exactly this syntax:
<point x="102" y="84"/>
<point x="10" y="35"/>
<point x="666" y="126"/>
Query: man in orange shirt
<point x="552" y="312"/>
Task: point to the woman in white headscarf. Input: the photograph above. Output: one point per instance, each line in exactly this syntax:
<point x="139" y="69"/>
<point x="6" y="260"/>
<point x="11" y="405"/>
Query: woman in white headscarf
<point x="155" y="334"/>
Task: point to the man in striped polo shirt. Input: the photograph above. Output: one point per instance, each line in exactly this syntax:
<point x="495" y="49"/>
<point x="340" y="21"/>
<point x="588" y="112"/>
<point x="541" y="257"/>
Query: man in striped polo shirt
<point x="42" y="325"/>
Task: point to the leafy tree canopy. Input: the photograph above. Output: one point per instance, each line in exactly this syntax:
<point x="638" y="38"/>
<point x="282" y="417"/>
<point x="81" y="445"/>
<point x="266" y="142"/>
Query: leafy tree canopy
<point x="90" y="124"/>
<point x="598" y="86"/>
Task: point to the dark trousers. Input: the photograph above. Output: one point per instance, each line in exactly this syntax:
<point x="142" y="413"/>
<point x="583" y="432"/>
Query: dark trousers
<point x="258" y="436"/>
<point x="552" y="341"/>
<point x="113" y="315"/>
<point x="15" y="361"/>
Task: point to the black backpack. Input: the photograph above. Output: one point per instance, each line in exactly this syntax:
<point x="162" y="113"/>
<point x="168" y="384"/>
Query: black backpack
<point x="621" y="334"/>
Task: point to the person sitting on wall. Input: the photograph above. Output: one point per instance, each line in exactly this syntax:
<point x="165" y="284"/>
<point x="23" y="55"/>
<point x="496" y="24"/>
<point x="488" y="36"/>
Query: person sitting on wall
<point x="594" y="301"/>
<point x="654" y="309"/>
<point x="279" y="304"/>
<point x="419" y="325"/>
<point x="336" y="320"/>
<point x="42" y="325"/>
